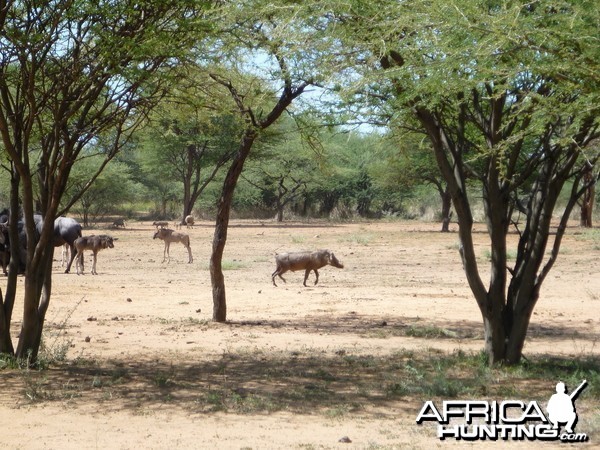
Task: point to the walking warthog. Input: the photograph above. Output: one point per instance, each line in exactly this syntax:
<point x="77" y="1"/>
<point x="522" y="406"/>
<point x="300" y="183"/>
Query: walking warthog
<point x="306" y="261"/>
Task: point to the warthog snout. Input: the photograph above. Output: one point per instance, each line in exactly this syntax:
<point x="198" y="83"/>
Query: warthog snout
<point x="335" y="262"/>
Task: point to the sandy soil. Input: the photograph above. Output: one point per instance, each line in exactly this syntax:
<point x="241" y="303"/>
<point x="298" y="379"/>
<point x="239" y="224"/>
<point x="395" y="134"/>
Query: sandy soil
<point x="147" y="367"/>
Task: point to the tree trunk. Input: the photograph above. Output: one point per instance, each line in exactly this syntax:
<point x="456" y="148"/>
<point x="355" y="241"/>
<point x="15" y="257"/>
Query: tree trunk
<point x="38" y="288"/>
<point x="224" y="204"/>
<point x="494" y="339"/>
<point x="188" y="203"/>
<point x="446" y="209"/>
<point x="516" y="338"/>
<point x="280" y="208"/>
<point x="587" y="201"/>
<point x="6" y="345"/>
<point x="222" y="224"/>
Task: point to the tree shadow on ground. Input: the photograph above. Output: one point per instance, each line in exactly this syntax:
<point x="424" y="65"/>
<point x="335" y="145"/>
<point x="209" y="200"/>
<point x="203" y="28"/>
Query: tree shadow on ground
<point x="258" y="381"/>
<point x="379" y="326"/>
<point x="262" y="380"/>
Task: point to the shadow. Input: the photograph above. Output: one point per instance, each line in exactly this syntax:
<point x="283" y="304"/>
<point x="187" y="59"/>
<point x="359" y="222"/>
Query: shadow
<point x="389" y="326"/>
<point x="284" y="225"/>
<point x="258" y="381"/>
<point x="367" y="326"/>
<point x="249" y="382"/>
<point x="329" y="381"/>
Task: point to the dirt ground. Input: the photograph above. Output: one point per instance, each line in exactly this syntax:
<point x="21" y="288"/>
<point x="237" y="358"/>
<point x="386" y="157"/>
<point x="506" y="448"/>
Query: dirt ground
<point x="145" y="366"/>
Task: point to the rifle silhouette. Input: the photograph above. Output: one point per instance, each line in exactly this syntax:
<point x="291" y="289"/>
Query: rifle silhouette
<point x="576" y="392"/>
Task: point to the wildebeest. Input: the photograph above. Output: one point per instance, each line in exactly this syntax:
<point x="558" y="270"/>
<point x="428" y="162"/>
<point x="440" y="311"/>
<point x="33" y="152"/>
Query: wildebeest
<point x="93" y="243"/>
<point x="306" y="261"/>
<point x="168" y="235"/>
<point x="4" y="252"/>
<point x="22" y="239"/>
<point x="66" y="230"/>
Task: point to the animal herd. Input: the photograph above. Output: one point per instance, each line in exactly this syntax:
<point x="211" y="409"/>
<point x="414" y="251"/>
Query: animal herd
<point x="68" y="234"/>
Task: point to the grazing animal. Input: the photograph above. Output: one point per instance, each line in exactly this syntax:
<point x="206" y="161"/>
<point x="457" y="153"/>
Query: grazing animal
<point x="66" y="230"/>
<point x="4" y="251"/>
<point x="93" y="243"/>
<point x="168" y="235"/>
<point x="118" y="223"/>
<point x="65" y="254"/>
<point x="160" y="223"/>
<point x="189" y="221"/>
<point x="306" y="261"/>
<point x="22" y="238"/>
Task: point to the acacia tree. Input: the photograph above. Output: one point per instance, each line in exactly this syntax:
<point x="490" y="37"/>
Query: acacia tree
<point x="267" y="59"/>
<point x="70" y="71"/>
<point x="110" y="190"/>
<point x="189" y="139"/>
<point x="282" y="168"/>
<point x="507" y="94"/>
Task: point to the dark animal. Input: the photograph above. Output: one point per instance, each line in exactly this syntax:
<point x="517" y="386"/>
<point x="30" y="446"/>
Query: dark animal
<point x="119" y="223"/>
<point x="160" y="223"/>
<point x="66" y="230"/>
<point x="306" y="261"/>
<point x="93" y="243"/>
<point x="22" y="238"/>
<point x="168" y="235"/>
<point x="4" y="250"/>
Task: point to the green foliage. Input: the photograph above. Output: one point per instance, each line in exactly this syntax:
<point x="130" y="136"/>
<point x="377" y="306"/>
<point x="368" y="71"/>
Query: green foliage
<point x="507" y="95"/>
<point x="114" y="188"/>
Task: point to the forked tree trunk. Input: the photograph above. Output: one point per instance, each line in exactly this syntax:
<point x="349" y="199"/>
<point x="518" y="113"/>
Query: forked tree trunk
<point x="38" y="289"/>
<point x="516" y="338"/>
<point x="506" y="307"/>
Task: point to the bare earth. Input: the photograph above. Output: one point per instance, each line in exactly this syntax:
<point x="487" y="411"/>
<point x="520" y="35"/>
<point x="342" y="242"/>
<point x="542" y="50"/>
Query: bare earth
<point x="146" y="367"/>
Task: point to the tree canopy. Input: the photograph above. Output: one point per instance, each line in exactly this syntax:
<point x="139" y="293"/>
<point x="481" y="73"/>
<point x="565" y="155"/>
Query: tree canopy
<point x="70" y="73"/>
<point x="494" y="96"/>
<point x="492" y="87"/>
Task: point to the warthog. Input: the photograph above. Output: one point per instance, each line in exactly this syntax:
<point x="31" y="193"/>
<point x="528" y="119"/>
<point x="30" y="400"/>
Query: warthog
<point x="160" y="223"/>
<point x="118" y="223"/>
<point x="306" y="261"/>
<point x="189" y="221"/>
<point x="93" y="243"/>
<point x="168" y="235"/>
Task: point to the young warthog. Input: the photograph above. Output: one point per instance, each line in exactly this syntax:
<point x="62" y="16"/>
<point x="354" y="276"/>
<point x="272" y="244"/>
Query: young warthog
<point x="306" y="261"/>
